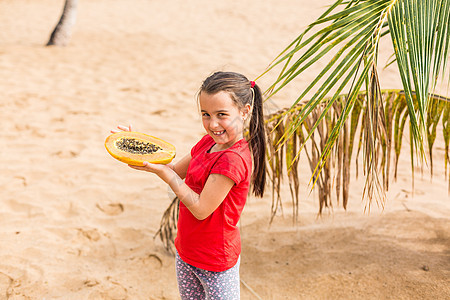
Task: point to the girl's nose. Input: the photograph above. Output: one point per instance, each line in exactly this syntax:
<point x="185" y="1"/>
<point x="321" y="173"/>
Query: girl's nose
<point x="214" y="123"/>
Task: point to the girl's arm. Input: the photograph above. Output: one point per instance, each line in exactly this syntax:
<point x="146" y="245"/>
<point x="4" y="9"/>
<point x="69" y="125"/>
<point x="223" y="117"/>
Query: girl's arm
<point x="181" y="166"/>
<point x="201" y="206"/>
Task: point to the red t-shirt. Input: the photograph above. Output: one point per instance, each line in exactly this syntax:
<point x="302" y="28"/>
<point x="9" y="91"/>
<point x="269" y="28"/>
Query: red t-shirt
<point x="214" y="244"/>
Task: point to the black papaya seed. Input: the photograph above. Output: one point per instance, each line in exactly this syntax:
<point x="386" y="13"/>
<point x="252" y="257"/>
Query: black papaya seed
<point x="136" y="147"/>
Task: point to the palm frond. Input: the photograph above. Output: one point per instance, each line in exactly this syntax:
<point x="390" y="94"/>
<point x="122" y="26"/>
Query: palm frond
<point x="392" y="118"/>
<point x="168" y="225"/>
<point x="420" y="35"/>
<point x="350" y="31"/>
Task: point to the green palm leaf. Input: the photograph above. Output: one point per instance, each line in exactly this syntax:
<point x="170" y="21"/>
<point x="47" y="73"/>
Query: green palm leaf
<point x="350" y="31"/>
<point x="419" y="31"/>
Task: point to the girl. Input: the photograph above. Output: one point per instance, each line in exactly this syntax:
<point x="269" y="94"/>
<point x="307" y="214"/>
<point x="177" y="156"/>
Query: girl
<point x="218" y="174"/>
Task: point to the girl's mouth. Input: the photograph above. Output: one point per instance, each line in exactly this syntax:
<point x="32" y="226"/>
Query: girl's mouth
<point x="218" y="133"/>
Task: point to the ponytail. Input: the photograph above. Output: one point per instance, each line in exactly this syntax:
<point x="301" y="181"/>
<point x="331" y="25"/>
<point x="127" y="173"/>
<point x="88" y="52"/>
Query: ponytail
<point x="257" y="142"/>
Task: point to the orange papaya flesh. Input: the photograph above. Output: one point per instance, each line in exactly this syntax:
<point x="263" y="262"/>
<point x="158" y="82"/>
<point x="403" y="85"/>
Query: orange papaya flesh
<point x="134" y="148"/>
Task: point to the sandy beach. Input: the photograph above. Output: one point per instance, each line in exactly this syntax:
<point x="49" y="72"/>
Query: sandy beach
<point x="77" y="224"/>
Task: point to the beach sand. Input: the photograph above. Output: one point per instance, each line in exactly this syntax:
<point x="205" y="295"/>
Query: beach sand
<point x="77" y="224"/>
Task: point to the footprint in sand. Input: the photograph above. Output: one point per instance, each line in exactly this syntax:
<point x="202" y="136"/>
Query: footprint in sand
<point x="20" y="181"/>
<point x="17" y="274"/>
<point x="71" y="151"/>
<point x="22" y="127"/>
<point x="66" y="153"/>
<point x="130" y="89"/>
<point x="90" y="234"/>
<point x="153" y="260"/>
<point x="91" y="282"/>
<point x="6" y="282"/>
<point x="111" y="209"/>
<point x="23" y="206"/>
<point x="115" y="289"/>
<point x="158" y="112"/>
<point x="108" y="289"/>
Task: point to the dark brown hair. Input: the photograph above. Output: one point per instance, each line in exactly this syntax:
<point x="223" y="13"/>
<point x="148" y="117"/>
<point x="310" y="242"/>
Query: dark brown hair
<point x="240" y="90"/>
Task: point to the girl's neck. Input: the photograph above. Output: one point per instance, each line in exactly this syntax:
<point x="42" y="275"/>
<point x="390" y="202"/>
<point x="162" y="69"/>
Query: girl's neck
<point x="222" y="147"/>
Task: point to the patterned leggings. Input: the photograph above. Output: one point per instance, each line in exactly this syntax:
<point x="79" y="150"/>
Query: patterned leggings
<point x="198" y="284"/>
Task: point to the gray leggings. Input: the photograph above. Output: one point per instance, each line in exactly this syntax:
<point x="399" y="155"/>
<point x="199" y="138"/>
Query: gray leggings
<point x="198" y="284"/>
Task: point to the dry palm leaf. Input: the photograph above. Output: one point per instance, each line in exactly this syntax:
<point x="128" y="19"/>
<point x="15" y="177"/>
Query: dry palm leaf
<point x="386" y="123"/>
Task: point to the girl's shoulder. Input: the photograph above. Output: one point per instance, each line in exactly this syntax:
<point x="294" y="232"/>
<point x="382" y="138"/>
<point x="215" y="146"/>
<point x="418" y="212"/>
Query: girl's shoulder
<point x="205" y="143"/>
<point x="234" y="162"/>
<point x="240" y="149"/>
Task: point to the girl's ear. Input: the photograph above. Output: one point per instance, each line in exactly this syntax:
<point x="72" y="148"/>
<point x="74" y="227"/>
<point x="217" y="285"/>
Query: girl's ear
<point x="246" y="111"/>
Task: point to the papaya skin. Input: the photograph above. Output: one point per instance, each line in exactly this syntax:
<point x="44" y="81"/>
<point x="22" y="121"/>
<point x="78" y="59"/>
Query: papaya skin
<point x="162" y="156"/>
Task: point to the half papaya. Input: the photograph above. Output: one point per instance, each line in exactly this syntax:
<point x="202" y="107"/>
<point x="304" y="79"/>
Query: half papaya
<point x="134" y="148"/>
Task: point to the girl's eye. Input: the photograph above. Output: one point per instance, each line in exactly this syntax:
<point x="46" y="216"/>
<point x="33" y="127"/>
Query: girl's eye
<point x="205" y="115"/>
<point x="222" y="115"/>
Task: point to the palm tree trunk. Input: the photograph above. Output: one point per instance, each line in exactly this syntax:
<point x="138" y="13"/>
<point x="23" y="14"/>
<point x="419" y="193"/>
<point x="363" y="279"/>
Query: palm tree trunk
<point x="63" y="30"/>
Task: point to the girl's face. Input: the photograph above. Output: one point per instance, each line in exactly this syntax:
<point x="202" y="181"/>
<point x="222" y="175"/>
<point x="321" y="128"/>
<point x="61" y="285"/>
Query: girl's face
<point x="222" y="118"/>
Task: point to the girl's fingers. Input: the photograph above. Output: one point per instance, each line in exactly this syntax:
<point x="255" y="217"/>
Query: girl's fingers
<point x="154" y="168"/>
<point x="145" y="167"/>
<point x="122" y="128"/>
<point x="136" y="167"/>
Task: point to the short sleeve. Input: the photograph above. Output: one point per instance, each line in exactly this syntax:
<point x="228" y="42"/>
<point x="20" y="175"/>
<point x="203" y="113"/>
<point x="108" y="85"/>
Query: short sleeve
<point x="231" y="165"/>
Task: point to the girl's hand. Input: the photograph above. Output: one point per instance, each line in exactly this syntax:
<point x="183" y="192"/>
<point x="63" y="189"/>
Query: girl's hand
<point x="165" y="172"/>
<point x="153" y="168"/>
<point x="122" y="128"/>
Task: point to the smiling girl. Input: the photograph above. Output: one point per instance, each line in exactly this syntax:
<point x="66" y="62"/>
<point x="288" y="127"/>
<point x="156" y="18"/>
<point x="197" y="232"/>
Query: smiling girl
<point x="218" y="174"/>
